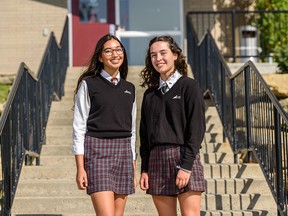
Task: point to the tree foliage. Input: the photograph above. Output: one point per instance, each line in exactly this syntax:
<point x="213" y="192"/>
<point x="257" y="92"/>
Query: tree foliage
<point x="272" y="24"/>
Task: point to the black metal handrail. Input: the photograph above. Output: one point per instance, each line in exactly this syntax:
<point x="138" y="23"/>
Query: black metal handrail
<point x="253" y="120"/>
<point x="25" y="115"/>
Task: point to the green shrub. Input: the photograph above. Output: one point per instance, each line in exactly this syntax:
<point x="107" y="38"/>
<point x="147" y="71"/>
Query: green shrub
<point x="273" y="27"/>
<point x="4" y="91"/>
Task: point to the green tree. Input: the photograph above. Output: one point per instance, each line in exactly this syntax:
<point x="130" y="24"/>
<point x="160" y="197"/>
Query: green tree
<point x="273" y="25"/>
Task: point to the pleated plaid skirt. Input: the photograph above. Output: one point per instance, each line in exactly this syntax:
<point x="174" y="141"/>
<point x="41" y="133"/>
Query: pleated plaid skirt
<point x="163" y="162"/>
<point x="109" y="165"/>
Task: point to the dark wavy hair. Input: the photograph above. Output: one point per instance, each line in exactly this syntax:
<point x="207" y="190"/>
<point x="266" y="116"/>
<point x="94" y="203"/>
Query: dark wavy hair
<point x="95" y="66"/>
<point x="149" y="75"/>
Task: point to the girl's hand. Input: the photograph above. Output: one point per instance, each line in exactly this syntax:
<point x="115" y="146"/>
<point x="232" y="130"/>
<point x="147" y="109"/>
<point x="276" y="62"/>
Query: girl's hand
<point x="182" y="178"/>
<point x="81" y="179"/>
<point x="81" y="176"/>
<point x="144" y="185"/>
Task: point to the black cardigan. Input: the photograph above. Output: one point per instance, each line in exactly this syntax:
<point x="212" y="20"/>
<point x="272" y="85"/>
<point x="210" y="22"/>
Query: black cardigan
<point x="178" y="117"/>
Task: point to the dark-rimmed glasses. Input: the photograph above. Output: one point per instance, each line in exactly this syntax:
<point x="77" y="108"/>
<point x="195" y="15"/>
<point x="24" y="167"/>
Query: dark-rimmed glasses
<point x="109" y="51"/>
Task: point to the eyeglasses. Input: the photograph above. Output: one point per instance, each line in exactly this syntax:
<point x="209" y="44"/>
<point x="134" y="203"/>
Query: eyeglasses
<point x="109" y="52"/>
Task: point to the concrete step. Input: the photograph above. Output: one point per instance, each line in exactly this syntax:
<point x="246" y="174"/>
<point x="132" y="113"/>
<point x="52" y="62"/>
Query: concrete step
<point x="54" y="114"/>
<point x="57" y="131"/>
<point x="52" y="205"/>
<point x="56" y="188"/>
<point x="76" y="205"/>
<point x="59" y="154"/>
<point x="213" y="125"/>
<point x="59" y="137"/>
<point x="138" y="204"/>
<point x="232" y="171"/>
<point x="55" y="160"/>
<point x="62" y="135"/>
<point x="210" y="171"/>
<point x="238" y="202"/>
<point x="69" y="92"/>
<point x="39" y="173"/>
<point x="214" y="145"/>
<point x="53" y="154"/>
<point x="68" y="187"/>
<point x="203" y="213"/>
<point x="218" y="157"/>
<point x="213" y="122"/>
<point x="57" y="150"/>
<point x="211" y="139"/>
<point x="48" y="188"/>
<point x="61" y="121"/>
<point x="253" y="212"/>
<point x="65" y="105"/>
<point x="236" y="186"/>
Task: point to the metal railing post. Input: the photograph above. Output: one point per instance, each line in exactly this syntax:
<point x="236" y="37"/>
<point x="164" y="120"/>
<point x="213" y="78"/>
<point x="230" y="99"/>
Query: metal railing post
<point x="278" y="151"/>
<point x="247" y="113"/>
<point x="233" y="36"/>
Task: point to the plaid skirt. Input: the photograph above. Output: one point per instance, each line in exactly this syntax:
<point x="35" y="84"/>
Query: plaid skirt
<point x="163" y="162"/>
<point x="109" y="165"/>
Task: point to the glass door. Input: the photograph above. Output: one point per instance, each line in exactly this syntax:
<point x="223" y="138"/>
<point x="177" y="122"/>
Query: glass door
<point x="138" y="21"/>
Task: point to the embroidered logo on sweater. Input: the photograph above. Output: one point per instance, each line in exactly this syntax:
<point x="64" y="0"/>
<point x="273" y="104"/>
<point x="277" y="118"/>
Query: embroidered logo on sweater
<point x="127" y="92"/>
<point x="177" y="97"/>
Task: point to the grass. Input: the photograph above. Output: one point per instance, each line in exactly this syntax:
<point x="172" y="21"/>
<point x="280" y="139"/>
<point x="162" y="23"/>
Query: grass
<point x="4" y="91"/>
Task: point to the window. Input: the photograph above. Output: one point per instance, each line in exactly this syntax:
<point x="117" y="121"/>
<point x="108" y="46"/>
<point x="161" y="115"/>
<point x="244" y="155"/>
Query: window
<point x="93" y="11"/>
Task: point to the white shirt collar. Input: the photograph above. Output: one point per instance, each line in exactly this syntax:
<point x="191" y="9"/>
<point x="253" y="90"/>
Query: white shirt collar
<point x="171" y="80"/>
<point x="108" y="76"/>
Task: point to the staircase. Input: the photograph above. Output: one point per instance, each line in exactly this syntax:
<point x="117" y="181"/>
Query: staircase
<point x="231" y="189"/>
<point x="50" y="189"/>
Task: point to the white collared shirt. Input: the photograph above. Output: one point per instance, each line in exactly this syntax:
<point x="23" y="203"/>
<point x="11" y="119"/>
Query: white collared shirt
<point x="170" y="81"/>
<point x="108" y="77"/>
<point x="81" y="113"/>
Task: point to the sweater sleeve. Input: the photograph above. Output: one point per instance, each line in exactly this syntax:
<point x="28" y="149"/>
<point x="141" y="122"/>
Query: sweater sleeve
<point x="144" y="142"/>
<point x="195" y="126"/>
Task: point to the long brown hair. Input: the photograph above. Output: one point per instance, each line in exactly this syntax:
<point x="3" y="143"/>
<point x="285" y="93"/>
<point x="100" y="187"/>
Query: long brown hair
<point x="95" y="67"/>
<point x="149" y="75"/>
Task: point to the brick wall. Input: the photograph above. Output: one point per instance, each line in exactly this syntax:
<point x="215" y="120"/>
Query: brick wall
<point x="22" y="26"/>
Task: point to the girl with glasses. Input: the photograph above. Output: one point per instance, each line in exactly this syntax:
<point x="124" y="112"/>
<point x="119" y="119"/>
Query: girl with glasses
<point x="104" y="127"/>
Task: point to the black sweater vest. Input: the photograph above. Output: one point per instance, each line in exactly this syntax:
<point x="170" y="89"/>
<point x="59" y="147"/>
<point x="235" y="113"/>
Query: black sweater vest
<point x="111" y="108"/>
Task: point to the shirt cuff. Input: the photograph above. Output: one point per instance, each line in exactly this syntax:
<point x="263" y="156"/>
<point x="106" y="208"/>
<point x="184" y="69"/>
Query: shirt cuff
<point x="77" y="150"/>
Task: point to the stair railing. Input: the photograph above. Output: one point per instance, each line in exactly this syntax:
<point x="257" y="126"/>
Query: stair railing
<point x="25" y="115"/>
<point x="254" y="122"/>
